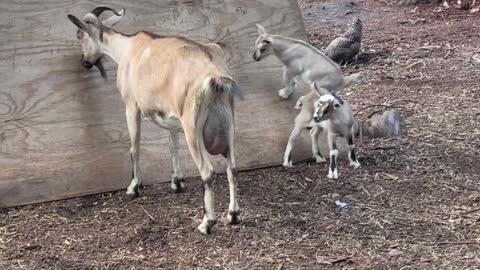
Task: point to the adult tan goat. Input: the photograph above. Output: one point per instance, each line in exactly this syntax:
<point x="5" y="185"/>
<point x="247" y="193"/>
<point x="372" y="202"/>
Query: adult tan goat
<point x="180" y="85"/>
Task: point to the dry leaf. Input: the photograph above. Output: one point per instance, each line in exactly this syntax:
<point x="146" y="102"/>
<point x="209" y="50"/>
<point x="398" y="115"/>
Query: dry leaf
<point x="329" y="227"/>
<point x="390" y="176"/>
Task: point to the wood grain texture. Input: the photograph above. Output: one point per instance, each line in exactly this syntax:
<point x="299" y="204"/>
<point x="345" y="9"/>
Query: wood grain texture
<point x="62" y="128"/>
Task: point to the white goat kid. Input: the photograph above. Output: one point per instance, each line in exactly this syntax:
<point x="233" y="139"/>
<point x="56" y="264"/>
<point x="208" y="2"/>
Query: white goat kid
<point x="181" y="85"/>
<point x="302" y="60"/>
<point x="323" y="113"/>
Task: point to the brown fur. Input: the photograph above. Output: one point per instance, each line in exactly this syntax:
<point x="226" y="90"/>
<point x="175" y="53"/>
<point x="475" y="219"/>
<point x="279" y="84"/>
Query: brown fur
<point x="171" y="74"/>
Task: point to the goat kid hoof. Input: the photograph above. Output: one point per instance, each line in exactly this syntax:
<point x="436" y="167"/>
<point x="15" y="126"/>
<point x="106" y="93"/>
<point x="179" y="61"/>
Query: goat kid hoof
<point x="319" y="159"/>
<point x="178" y="185"/>
<point x="206" y="226"/>
<point x="332" y="175"/>
<point x="233" y="217"/>
<point x="283" y="93"/>
<point x="355" y="164"/>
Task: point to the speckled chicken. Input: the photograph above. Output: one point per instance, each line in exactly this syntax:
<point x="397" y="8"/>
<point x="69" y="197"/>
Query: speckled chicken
<point x="343" y="49"/>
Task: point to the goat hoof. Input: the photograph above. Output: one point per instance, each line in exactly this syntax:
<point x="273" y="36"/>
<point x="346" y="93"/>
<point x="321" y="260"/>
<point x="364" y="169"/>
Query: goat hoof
<point x="319" y="159"/>
<point x="233" y="217"/>
<point x="178" y="185"/>
<point x="135" y="191"/>
<point x="287" y="165"/>
<point x="206" y="226"/>
<point x="139" y="190"/>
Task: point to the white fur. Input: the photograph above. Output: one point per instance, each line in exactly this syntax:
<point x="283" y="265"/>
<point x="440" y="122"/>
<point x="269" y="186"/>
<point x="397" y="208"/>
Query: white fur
<point x="203" y="227"/>
<point x="354" y="164"/>
<point x="332" y="174"/>
<point x="326" y="98"/>
<point x="131" y="188"/>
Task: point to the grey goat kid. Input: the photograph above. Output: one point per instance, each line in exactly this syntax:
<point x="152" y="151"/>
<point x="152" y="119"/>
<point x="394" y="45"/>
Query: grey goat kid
<point x="344" y="48"/>
<point x="323" y="113"/>
<point x="302" y="60"/>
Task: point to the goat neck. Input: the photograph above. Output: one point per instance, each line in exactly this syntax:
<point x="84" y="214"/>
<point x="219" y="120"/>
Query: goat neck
<point x="283" y="47"/>
<point x="115" y="44"/>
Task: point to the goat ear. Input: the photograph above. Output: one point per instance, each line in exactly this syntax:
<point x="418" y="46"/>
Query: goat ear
<point x="114" y="19"/>
<point x="261" y="30"/>
<point x="78" y="23"/>
<point x="320" y="91"/>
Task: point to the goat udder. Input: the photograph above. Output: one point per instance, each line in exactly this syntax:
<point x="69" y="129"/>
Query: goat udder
<point x="216" y="145"/>
<point x="215" y="134"/>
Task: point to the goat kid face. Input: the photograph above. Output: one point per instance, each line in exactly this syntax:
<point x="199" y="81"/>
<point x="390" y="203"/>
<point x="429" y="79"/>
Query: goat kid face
<point x="263" y="44"/>
<point x="324" y="108"/>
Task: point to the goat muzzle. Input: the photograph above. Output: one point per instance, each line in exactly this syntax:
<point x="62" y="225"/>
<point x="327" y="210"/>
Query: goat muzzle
<point x="256" y="56"/>
<point x="86" y="64"/>
<point x="98" y="64"/>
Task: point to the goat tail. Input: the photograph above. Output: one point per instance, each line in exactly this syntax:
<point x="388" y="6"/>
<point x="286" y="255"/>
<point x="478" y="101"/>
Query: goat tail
<point x="352" y="79"/>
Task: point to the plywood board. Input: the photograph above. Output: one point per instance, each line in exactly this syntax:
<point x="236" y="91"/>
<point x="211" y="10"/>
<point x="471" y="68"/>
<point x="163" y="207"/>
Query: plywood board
<point x="62" y="128"/>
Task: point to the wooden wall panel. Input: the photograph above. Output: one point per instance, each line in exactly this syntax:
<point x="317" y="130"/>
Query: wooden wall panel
<point x="62" y="128"/>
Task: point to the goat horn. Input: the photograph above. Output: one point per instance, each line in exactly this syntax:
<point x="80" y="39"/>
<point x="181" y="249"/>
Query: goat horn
<point x="100" y="9"/>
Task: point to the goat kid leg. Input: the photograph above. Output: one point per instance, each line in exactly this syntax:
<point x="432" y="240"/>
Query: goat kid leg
<point x="301" y="122"/>
<point x="287" y="156"/>
<point x="200" y="156"/>
<point x="314" y="132"/>
<point x="133" y="122"/>
<point x="332" y="169"/>
<point x="177" y="183"/>
<point x="291" y="84"/>
<point x="351" y="152"/>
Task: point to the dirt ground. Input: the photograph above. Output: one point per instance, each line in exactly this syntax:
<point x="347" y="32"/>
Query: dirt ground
<point x="414" y="203"/>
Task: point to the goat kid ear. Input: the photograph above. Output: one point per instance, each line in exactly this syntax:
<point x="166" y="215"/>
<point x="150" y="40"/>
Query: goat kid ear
<point x="78" y="23"/>
<point x="261" y="30"/>
<point x="299" y="103"/>
<point x="114" y="19"/>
